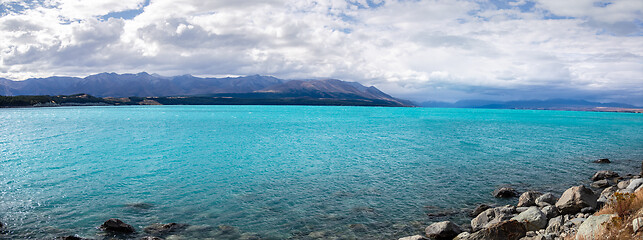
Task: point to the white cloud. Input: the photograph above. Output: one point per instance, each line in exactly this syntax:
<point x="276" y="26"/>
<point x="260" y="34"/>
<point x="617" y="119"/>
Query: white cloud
<point x="434" y="49"/>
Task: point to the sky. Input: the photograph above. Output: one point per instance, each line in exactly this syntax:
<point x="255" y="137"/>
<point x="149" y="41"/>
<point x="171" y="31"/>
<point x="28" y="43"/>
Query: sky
<point x="433" y="50"/>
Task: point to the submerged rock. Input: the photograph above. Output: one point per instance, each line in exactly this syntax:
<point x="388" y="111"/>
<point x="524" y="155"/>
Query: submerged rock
<point x="151" y="238"/>
<point x="139" y="205"/>
<point x="116" y="226"/>
<point x="602" y="160"/>
<point x="576" y="198"/>
<point x="505" y="192"/>
<point x="163" y="229"/>
<point x="528" y="199"/>
<point x="506" y="230"/>
<point x="533" y="219"/>
<point x="446" y="230"/>
<point x="71" y="237"/>
<point x="606" y="174"/>
<point x="546" y="200"/>
<point x="593" y="226"/>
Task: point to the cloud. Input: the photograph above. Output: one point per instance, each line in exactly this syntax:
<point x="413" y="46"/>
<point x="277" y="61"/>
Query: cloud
<point x="424" y="50"/>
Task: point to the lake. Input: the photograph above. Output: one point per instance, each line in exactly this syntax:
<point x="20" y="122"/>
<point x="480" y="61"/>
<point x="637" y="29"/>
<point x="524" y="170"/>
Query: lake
<point x="289" y="172"/>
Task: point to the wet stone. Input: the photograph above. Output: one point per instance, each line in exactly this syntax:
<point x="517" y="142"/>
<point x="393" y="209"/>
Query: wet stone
<point x="163" y="229"/>
<point x="116" y="226"/>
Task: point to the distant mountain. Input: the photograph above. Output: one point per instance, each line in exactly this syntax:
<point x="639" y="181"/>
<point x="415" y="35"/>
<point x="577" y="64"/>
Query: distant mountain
<point x="254" y="87"/>
<point x="552" y="104"/>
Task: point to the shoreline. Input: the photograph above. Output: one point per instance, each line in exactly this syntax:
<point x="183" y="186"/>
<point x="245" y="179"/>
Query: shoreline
<point x="579" y="213"/>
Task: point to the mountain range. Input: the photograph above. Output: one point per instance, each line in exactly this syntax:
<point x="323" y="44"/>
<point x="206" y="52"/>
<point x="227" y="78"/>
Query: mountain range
<point x="257" y="88"/>
<point x="550" y="104"/>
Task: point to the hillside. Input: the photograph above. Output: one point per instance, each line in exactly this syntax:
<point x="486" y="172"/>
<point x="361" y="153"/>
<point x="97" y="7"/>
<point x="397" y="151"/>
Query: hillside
<point x="187" y="89"/>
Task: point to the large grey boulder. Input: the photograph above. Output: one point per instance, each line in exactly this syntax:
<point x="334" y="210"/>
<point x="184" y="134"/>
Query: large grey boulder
<point x="505" y="230"/>
<point x="528" y="199"/>
<point x="492" y="216"/>
<point x="446" y="230"/>
<point x="606" y="174"/>
<point x="593" y="226"/>
<point x="576" y="198"/>
<point x="533" y="219"/>
<point x="546" y="200"/>
<point x="116" y="226"/>
<point x="505" y="192"/>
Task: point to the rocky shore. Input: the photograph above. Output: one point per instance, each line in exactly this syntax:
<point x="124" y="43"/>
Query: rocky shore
<point x="580" y="213"/>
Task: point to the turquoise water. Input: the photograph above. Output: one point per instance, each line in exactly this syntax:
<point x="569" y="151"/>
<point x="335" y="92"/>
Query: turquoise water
<point x="289" y="172"/>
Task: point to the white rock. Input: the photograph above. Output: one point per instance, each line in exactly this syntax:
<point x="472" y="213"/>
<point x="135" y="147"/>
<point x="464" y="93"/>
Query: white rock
<point x="592" y="226"/>
<point x="416" y="237"/>
<point x="634" y="184"/>
<point x="637" y="224"/>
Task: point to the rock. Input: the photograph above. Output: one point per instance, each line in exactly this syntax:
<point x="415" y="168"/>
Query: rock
<point x="492" y="216"/>
<point x="605" y="196"/>
<point x="226" y="229"/>
<point x="358" y="227"/>
<point x="600" y="175"/>
<point x="555" y="225"/>
<point x="588" y="210"/>
<point x="505" y="192"/>
<point x="521" y="209"/>
<point x="533" y="219"/>
<point x="164" y="229"/>
<point x="602" y="160"/>
<point x="576" y="198"/>
<point x="416" y="237"/>
<point x="574" y="222"/>
<point x="72" y="238"/>
<point x="637" y="224"/>
<point x="139" y="205"/>
<point x="623" y="184"/>
<point x="479" y="209"/>
<point x="593" y="226"/>
<point x="116" y="226"/>
<point x="528" y="199"/>
<point x="603" y="183"/>
<point x="546" y="200"/>
<point x="506" y="230"/>
<point x="550" y="211"/>
<point x="634" y="184"/>
<point x="151" y="238"/>
<point x="442" y="230"/>
<point x="462" y="236"/>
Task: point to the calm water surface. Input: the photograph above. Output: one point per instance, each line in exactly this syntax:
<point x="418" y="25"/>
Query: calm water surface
<point x="287" y="172"/>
